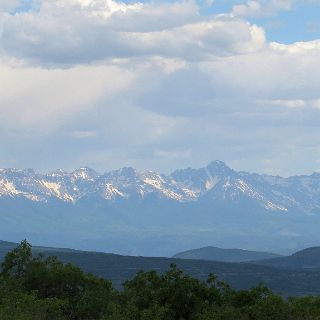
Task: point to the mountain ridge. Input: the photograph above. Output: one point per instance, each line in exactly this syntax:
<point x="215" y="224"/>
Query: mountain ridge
<point x="148" y="213"/>
<point x="211" y="253"/>
<point x="307" y="259"/>
<point x="118" y="268"/>
<point x="216" y="181"/>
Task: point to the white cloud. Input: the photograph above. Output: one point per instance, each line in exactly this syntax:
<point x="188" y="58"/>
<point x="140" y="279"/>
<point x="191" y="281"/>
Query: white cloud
<point x="298" y="103"/>
<point x="308" y="47"/>
<point x="258" y="8"/>
<point x="41" y="100"/>
<point x="154" y="85"/>
<point x="8" y="5"/>
<point x="101" y="8"/>
<point x="68" y="33"/>
<point x="251" y="8"/>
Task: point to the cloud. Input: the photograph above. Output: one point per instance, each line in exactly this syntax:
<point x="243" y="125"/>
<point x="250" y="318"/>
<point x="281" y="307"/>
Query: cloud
<point x="41" y="100"/>
<point x="66" y="33"/>
<point x="295" y="103"/>
<point x="155" y="85"/>
<point x="289" y="103"/>
<point x="258" y="8"/>
<point x="8" y="5"/>
<point x="84" y="134"/>
<point x="301" y="48"/>
<point x="209" y="3"/>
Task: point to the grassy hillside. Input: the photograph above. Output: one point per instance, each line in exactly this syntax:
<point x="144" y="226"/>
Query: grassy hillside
<point x="225" y="255"/>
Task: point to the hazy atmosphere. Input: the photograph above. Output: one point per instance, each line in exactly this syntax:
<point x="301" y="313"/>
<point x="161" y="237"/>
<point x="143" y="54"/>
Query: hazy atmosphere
<point x="160" y="84"/>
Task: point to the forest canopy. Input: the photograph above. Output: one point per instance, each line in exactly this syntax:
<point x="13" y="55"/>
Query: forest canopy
<point x="43" y="288"/>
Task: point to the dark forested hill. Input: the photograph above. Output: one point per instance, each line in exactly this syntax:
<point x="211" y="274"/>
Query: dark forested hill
<point x="119" y="268"/>
<point x="239" y="275"/>
<point x="6" y="246"/>
<point x="225" y="255"/>
<point x="305" y="259"/>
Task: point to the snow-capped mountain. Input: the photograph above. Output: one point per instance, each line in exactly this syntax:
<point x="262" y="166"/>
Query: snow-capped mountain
<point x="130" y="211"/>
<point x="216" y="182"/>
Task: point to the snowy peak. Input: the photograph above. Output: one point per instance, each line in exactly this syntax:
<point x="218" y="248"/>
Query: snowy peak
<point x="219" y="168"/>
<point x="85" y="173"/>
<point x="235" y="190"/>
<point x="200" y="181"/>
<point x="133" y="184"/>
<point x="214" y="183"/>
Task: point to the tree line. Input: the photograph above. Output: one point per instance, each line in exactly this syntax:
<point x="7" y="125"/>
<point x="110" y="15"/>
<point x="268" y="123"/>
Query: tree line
<point x="43" y="288"/>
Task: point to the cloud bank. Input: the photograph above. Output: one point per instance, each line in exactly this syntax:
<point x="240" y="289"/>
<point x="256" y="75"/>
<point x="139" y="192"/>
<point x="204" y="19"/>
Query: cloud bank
<point x="154" y="84"/>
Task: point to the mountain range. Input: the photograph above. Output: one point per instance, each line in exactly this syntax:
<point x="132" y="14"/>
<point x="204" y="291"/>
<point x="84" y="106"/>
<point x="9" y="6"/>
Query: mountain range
<point x="148" y="213"/>
<point x="216" y="182"/>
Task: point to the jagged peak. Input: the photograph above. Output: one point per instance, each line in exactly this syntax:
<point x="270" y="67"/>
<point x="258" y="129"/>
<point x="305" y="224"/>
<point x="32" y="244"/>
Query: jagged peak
<point x="125" y="171"/>
<point x="315" y="175"/>
<point x="216" y="180"/>
<point x="219" y="167"/>
<point x="29" y="171"/>
<point x="11" y="170"/>
<point x="58" y="173"/>
<point x="86" y="169"/>
<point x="85" y="173"/>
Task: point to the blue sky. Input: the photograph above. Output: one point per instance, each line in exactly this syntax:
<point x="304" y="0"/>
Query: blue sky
<point x="160" y="85"/>
<point x="300" y="23"/>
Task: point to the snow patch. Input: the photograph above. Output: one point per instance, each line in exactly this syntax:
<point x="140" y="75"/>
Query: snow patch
<point x="275" y="207"/>
<point x="111" y="192"/>
<point x="172" y="195"/>
<point x="34" y="198"/>
<point x="55" y="189"/>
<point x="7" y="187"/>
<point x="155" y="183"/>
<point x="190" y="193"/>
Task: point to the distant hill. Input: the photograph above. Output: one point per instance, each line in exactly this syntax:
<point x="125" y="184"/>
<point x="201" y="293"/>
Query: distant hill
<point x="224" y="255"/>
<point x="305" y="259"/>
<point x="119" y="268"/>
<point x="6" y="246"/>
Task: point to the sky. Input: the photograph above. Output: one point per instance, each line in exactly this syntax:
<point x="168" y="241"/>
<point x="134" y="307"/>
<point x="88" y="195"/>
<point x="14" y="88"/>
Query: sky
<point x="160" y="85"/>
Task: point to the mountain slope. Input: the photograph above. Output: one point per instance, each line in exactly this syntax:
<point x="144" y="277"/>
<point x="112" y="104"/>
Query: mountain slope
<point x="6" y="246"/>
<point x="225" y="255"/>
<point x="305" y="259"/>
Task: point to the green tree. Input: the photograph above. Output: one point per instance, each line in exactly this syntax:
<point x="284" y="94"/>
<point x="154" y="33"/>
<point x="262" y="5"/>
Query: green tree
<point x="16" y="261"/>
<point x="43" y="288"/>
<point x="78" y="295"/>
